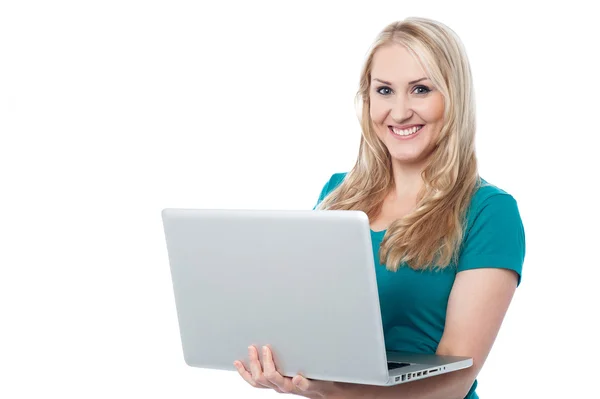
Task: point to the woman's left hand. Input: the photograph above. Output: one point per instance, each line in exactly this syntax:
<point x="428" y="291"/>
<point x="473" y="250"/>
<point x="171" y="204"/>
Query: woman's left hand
<point x="267" y="376"/>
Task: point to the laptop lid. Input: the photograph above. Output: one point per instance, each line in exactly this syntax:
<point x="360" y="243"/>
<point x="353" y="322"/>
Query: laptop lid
<point x="301" y="281"/>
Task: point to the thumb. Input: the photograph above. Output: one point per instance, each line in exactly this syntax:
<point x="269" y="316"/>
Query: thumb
<point x="301" y="383"/>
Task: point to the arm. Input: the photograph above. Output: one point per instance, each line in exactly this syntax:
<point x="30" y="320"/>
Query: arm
<point x="478" y="302"/>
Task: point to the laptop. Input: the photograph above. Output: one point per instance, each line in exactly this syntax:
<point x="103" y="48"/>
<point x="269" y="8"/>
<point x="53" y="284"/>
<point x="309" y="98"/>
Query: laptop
<point x="301" y="281"/>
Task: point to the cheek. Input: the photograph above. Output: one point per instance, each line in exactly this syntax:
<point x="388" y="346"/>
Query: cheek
<point x="432" y="110"/>
<point x="378" y="112"/>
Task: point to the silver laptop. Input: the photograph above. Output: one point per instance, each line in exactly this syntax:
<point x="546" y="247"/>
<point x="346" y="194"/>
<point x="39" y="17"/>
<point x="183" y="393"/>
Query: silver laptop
<point x="300" y="281"/>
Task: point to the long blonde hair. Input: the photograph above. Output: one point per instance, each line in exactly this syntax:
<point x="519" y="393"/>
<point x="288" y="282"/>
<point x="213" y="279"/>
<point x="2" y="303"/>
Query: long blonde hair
<point x="431" y="235"/>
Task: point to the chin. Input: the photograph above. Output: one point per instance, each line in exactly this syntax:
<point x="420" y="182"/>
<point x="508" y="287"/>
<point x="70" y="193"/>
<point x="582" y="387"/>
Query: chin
<point x="406" y="158"/>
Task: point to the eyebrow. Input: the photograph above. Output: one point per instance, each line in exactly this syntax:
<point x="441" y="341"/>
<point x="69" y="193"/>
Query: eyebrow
<point x="410" y="83"/>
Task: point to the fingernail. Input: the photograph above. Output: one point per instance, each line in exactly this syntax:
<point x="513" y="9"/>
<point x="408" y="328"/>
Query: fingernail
<point x="264" y="348"/>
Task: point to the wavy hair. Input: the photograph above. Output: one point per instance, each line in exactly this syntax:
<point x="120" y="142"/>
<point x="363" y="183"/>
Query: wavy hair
<point x="429" y="237"/>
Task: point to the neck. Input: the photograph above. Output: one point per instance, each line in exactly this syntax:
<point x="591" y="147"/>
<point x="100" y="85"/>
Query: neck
<point x="407" y="181"/>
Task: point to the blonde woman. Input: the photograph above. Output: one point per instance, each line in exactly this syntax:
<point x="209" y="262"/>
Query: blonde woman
<point x="449" y="247"/>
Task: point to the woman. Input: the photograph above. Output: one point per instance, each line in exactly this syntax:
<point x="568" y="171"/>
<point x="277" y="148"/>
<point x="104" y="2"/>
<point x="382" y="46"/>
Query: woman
<point x="449" y="247"/>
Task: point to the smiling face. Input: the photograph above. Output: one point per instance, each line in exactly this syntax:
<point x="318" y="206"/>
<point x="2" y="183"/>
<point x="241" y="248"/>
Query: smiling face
<point x="406" y="110"/>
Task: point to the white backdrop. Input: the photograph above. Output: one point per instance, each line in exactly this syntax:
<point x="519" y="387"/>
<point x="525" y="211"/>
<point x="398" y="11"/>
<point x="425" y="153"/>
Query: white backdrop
<point x="113" y="110"/>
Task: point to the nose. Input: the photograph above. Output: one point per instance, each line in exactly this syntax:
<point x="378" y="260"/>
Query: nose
<point x="401" y="109"/>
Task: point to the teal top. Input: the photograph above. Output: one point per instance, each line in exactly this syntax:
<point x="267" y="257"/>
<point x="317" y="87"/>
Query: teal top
<point x="413" y="303"/>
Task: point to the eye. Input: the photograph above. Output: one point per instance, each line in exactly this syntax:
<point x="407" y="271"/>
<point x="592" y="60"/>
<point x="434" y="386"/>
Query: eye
<point x="382" y="90"/>
<point x="423" y="89"/>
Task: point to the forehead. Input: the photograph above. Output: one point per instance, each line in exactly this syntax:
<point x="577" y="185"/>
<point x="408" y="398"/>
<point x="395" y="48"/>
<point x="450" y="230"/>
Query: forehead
<point x="395" y="63"/>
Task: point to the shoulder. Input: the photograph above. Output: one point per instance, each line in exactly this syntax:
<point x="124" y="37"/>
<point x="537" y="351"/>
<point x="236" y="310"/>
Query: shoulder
<point x="334" y="181"/>
<point x="337" y="179"/>
<point x="490" y="199"/>
<point x="486" y="192"/>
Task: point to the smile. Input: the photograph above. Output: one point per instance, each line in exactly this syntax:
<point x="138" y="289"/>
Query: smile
<point x="405" y="132"/>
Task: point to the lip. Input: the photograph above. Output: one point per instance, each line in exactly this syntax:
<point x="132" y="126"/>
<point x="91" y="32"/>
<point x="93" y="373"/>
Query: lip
<point x="412" y="136"/>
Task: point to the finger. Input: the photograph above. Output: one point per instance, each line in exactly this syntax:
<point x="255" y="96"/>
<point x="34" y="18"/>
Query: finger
<point x="256" y="369"/>
<point x="254" y="362"/>
<point x="271" y="374"/>
<point x="302" y="384"/>
<point x="246" y="374"/>
<point x="319" y="388"/>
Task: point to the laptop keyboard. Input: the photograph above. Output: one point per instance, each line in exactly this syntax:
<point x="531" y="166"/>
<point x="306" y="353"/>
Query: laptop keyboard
<point x="396" y="365"/>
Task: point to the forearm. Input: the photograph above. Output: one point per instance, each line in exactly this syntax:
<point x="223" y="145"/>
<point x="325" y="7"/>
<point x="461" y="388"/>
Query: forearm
<point x="453" y="385"/>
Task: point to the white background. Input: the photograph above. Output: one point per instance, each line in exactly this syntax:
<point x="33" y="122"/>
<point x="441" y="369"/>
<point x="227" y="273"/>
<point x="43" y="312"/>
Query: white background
<point x="113" y="110"/>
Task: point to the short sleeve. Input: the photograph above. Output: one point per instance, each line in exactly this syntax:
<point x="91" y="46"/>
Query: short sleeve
<point x="495" y="237"/>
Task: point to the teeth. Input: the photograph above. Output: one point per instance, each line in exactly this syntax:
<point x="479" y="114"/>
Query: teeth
<point x="406" y="132"/>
